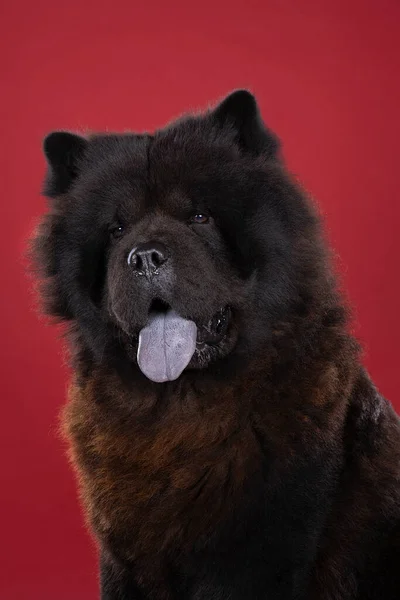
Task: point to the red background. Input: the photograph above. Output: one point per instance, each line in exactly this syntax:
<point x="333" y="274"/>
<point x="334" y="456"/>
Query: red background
<point x="327" y="78"/>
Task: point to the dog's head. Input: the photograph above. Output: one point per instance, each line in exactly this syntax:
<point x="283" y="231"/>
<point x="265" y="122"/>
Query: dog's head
<point x="177" y="249"/>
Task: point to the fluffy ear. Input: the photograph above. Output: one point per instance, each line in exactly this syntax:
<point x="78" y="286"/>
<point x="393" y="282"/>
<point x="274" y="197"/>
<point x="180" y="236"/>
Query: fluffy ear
<point x="63" y="151"/>
<point x="240" y="111"/>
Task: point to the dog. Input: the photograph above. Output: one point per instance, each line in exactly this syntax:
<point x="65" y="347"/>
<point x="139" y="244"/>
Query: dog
<point x="228" y="442"/>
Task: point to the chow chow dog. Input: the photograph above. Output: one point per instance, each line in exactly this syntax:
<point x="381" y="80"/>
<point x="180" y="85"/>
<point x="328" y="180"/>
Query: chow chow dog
<point x="228" y="443"/>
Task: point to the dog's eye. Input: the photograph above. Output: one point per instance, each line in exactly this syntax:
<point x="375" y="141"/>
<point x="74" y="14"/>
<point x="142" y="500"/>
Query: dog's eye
<point x="116" y="231"/>
<point x="200" y="218"/>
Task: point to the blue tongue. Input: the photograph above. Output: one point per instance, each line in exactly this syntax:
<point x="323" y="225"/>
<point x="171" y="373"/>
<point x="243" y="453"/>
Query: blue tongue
<point x="166" y="345"/>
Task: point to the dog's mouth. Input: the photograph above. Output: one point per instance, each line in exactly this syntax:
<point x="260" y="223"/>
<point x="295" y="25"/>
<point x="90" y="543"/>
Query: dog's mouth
<point x="215" y="330"/>
<point x="169" y="343"/>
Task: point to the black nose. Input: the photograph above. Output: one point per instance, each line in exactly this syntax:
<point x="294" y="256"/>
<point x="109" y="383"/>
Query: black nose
<point x="147" y="258"/>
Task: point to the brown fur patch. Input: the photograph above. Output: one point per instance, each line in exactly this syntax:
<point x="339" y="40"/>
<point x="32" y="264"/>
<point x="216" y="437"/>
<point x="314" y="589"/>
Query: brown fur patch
<point x="171" y="480"/>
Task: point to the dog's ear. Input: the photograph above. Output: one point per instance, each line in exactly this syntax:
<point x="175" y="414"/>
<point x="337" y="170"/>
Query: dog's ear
<point x="63" y="151"/>
<point x="239" y="111"/>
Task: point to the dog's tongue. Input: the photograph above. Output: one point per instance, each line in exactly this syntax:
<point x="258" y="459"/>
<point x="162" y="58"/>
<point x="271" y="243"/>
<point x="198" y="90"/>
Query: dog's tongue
<point x="166" y="345"/>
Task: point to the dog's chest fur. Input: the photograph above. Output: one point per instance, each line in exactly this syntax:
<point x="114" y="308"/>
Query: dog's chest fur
<point x="156" y="480"/>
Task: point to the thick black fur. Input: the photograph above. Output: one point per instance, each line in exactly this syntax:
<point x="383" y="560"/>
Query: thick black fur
<point x="270" y="470"/>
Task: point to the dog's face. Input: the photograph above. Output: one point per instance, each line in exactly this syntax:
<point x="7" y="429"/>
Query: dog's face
<point x="179" y="248"/>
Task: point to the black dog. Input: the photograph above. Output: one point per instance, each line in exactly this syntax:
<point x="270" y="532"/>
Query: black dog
<point x="228" y="443"/>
